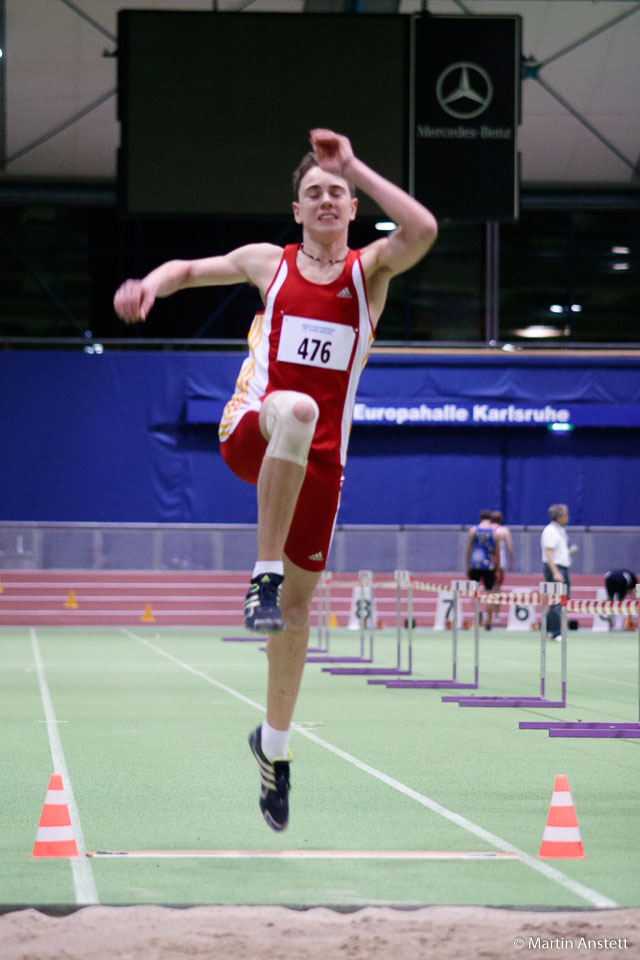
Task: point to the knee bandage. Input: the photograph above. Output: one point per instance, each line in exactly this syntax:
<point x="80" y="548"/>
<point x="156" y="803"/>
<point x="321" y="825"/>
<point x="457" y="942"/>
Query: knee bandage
<point x="290" y="437"/>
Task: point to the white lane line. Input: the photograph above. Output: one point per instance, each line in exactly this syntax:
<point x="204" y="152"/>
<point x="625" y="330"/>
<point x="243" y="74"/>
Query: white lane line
<point x="551" y="873"/>
<point x="77" y="615"/>
<point x="71" y="583"/>
<point x="302" y="855"/>
<point x="620" y="683"/>
<point x="82" y="597"/>
<point x="518" y="663"/>
<point x="83" y="881"/>
<point x="193" y="670"/>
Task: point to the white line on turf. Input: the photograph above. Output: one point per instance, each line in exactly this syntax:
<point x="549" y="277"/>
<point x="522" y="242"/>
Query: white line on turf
<point x="83" y="881"/>
<point x="551" y="873"/>
<point x="584" y="676"/>
<point x="301" y="855"/>
<point x="589" y="676"/>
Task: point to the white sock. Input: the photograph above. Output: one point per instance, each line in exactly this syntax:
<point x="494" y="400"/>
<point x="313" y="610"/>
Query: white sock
<point x="275" y="743"/>
<point x="268" y="566"/>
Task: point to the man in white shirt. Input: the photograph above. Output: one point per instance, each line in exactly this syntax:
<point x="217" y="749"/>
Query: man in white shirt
<point x="556" y="559"/>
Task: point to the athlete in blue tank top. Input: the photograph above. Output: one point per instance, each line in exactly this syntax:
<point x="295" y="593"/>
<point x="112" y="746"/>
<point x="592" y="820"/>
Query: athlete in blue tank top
<point x="481" y="551"/>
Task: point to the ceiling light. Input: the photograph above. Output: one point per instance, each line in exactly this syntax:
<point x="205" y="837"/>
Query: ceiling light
<point x="556" y="308"/>
<point x="540" y="331"/>
<point x="621" y="251"/>
<point x="385" y="225"/>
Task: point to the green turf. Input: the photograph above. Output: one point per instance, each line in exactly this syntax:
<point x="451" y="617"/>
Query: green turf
<point x="157" y="758"/>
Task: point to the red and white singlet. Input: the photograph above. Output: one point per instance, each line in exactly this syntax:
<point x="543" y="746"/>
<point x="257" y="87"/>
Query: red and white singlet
<point x="311" y="337"/>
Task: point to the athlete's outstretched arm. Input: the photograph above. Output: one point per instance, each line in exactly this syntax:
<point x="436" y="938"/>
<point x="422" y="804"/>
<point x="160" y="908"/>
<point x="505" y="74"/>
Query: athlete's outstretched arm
<point x="254" y="263"/>
<point x="417" y="228"/>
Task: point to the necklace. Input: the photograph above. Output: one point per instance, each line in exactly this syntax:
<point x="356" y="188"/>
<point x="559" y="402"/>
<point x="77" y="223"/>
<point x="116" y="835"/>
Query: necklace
<point x="320" y="260"/>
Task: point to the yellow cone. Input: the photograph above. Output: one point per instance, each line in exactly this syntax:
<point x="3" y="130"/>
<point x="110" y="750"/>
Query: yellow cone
<point x="70" y="603"/>
<point x="333" y="620"/>
<point x="147" y="616"/>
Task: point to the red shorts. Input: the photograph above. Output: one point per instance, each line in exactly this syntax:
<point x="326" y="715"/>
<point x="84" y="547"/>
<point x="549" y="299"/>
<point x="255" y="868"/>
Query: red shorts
<point x="315" y="514"/>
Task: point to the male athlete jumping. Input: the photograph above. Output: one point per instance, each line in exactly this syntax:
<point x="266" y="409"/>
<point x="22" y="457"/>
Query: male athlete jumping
<point x="287" y="425"/>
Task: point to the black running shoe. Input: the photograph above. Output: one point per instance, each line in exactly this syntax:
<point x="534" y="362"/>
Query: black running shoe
<point x="262" y="603"/>
<point x="275" y="784"/>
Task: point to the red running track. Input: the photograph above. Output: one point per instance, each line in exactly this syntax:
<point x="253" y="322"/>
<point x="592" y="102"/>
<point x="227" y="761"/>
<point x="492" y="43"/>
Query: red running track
<point x="203" y="598"/>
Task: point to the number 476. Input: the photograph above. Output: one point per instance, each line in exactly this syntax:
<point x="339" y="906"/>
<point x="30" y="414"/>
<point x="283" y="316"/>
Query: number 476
<point x="308" y="350"/>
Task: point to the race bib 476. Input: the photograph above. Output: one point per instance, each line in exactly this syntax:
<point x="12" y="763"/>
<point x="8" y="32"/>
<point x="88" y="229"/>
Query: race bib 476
<point x="315" y="343"/>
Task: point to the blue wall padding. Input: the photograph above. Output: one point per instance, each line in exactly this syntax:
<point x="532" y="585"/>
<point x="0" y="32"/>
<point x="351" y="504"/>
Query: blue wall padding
<point x="132" y="437"/>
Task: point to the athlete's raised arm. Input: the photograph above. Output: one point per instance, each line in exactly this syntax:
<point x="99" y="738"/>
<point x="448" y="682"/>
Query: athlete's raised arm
<point x="254" y="263"/>
<point x="416" y="228"/>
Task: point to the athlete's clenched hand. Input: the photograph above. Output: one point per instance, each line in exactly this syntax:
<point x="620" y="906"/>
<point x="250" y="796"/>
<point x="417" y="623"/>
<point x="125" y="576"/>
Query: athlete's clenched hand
<point x="133" y="300"/>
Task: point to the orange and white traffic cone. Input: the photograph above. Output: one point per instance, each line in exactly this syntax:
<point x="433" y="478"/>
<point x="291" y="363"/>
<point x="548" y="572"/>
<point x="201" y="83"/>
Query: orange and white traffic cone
<point x="561" y="837"/>
<point x="55" y="834"/>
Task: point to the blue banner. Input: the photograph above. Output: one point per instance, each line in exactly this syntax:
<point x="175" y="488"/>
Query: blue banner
<point x="392" y="412"/>
<point x="132" y="437"/>
<point x="388" y="412"/>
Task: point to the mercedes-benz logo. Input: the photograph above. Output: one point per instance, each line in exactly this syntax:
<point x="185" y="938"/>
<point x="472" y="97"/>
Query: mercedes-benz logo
<point x="464" y="90"/>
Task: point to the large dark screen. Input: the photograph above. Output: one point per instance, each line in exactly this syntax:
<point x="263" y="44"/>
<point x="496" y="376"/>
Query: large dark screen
<point x="216" y="107"/>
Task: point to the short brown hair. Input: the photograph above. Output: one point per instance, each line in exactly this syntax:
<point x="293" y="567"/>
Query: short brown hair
<point x="307" y="163"/>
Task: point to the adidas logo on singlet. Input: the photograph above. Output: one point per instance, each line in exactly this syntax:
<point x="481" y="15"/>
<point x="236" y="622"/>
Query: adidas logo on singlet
<point x="345" y="292"/>
<point x="316" y="556"/>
